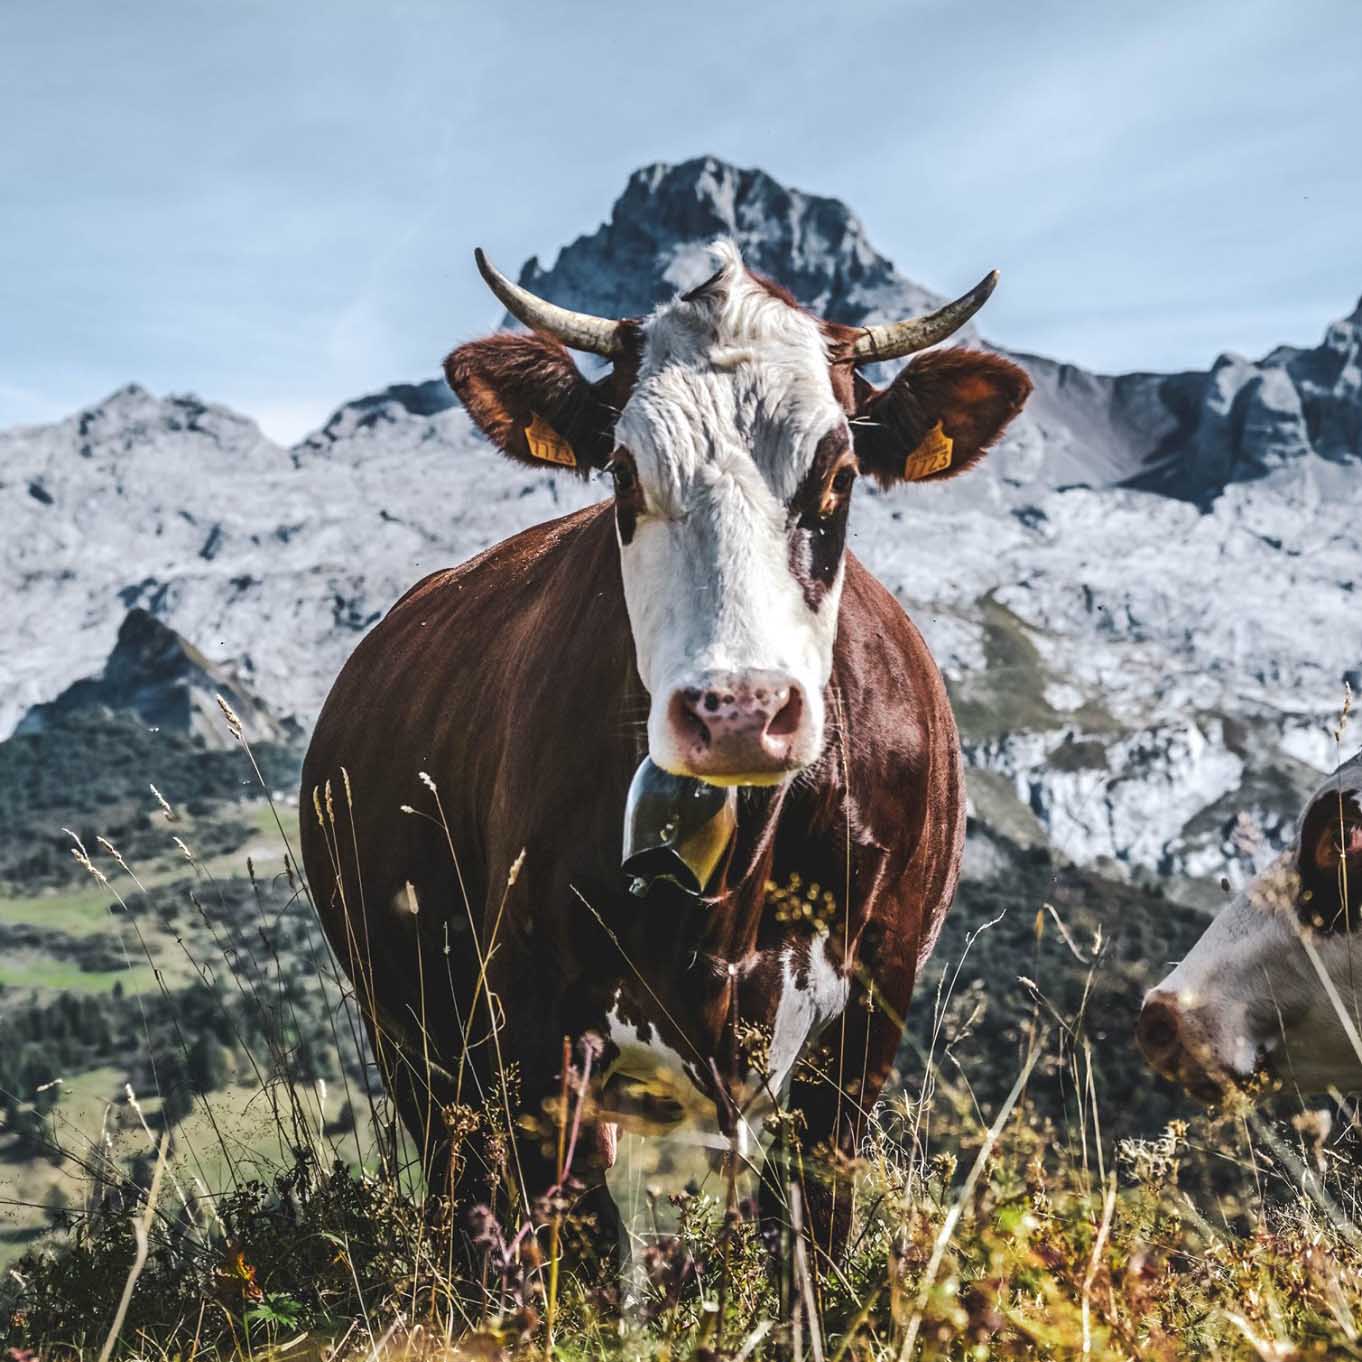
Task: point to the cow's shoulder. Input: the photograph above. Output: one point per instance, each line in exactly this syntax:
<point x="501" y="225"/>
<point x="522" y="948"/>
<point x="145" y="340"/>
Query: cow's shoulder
<point x="468" y="616"/>
<point x="898" y="735"/>
<point x="447" y="648"/>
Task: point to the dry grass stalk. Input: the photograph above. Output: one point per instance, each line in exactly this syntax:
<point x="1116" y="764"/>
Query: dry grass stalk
<point x="141" y="1225"/>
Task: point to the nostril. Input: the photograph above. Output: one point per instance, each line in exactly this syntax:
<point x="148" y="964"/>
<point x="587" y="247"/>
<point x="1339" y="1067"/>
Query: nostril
<point x="1159" y="1033"/>
<point x="1158" y="1029"/>
<point x="687" y="719"/>
<point x="789" y="716"/>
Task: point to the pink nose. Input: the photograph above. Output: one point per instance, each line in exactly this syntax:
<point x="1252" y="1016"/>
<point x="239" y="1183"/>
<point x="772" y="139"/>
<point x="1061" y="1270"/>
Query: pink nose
<point x="1159" y="1033"/>
<point x="738" y="724"/>
<point x="1168" y="1039"/>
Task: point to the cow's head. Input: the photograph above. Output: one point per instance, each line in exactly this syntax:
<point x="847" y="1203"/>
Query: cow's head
<point x="1250" y="996"/>
<point x="734" y="425"/>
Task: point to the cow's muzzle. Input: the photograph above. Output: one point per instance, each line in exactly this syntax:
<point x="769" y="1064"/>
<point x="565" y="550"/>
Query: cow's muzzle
<point x="740" y="728"/>
<point x="1179" y="1043"/>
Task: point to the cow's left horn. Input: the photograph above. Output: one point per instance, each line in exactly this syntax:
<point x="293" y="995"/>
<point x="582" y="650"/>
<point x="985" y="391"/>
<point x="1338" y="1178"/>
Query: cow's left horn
<point x="578" y="330"/>
<point x="896" y="339"/>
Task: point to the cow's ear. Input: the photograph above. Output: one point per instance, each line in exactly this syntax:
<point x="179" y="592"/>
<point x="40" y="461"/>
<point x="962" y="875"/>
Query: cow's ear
<point x="1330" y="855"/>
<point x="937" y="417"/>
<point x="528" y="397"/>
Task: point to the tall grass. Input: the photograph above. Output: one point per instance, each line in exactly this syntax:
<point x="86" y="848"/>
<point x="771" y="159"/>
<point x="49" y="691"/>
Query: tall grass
<point x="993" y="1230"/>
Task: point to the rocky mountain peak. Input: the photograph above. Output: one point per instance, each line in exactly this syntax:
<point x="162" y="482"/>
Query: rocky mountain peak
<point x="655" y="244"/>
<point x="131" y="415"/>
<point x="148" y="650"/>
<point x="1186" y="435"/>
<point x="388" y="406"/>
<point x="1131" y="671"/>
<point x="167" y="683"/>
<point x="1244" y="419"/>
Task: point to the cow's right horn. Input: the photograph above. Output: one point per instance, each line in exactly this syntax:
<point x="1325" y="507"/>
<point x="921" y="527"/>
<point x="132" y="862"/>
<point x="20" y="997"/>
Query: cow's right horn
<point x="577" y="330"/>
<point x="896" y="339"/>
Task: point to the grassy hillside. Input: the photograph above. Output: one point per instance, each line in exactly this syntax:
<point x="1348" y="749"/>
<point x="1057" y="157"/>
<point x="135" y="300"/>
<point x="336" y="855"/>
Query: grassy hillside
<point x="1087" y="1211"/>
<point x="174" y="957"/>
<point x="91" y="773"/>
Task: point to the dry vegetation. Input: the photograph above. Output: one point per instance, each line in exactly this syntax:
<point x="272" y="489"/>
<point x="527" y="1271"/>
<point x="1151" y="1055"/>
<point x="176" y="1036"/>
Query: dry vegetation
<point x="1007" y="1205"/>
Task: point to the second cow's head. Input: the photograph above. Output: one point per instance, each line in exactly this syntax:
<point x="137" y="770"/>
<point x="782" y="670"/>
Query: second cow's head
<point x="734" y="424"/>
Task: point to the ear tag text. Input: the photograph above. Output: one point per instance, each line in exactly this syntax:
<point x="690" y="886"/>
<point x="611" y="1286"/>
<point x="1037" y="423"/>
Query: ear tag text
<point x="547" y="445"/>
<point x="931" y="456"/>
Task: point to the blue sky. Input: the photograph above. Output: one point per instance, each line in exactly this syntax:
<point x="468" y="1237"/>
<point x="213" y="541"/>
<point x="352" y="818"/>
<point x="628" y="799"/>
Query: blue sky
<point x="273" y="204"/>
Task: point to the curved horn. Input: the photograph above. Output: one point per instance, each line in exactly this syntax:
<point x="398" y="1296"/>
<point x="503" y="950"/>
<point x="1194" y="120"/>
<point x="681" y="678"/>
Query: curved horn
<point x="578" y="330"/>
<point x="895" y="339"/>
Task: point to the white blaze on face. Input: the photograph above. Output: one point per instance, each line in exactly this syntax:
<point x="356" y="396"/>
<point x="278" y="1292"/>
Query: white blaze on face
<point x="732" y="399"/>
<point x="1249" y="993"/>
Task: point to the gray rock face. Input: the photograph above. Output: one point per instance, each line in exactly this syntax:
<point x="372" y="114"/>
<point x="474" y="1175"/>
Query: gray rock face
<point x="1144" y="604"/>
<point x="1242" y="420"/>
<point x="167" y="683"/>
<point x="655" y="245"/>
<point x="1185" y="435"/>
<point x="388" y="407"/>
<point x="272" y="560"/>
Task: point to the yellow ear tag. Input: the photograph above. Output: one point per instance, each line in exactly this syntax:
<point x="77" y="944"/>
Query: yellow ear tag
<point x="931" y="456"/>
<point x="545" y="443"/>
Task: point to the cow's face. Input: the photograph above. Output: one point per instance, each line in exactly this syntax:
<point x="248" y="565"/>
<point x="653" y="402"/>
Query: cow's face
<point x="1274" y="984"/>
<point x="734" y="427"/>
<point x="733" y="471"/>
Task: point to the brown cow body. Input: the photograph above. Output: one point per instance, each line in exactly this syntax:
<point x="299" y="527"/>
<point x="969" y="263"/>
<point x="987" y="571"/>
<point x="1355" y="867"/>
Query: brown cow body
<point x="467" y="680"/>
<point x="472" y="762"/>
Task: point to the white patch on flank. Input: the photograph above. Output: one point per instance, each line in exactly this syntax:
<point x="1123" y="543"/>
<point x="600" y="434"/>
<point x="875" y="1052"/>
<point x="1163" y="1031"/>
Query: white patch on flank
<point x="732" y="398"/>
<point x="804" y="1011"/>
<point x="811" y="995"/>
<point x="638" y="1058"/>
<point x="635" y="1153"/>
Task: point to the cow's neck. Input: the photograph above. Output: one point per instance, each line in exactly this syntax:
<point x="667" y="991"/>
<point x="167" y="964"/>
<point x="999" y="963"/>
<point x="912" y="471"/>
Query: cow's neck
<point x="773" y="822"/>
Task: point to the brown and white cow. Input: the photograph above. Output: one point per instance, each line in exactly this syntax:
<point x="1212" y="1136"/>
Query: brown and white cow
<point x="710" y="617"/>
<point x="1274" y="984"/>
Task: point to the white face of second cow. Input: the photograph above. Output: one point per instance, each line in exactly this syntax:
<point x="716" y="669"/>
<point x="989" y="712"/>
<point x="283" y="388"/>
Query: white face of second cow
<point x="733" y="613"/>
<point x="1249" y="997"/>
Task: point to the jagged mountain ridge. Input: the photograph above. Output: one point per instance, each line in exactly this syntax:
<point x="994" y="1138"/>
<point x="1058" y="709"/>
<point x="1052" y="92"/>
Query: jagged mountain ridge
<point x="1244" y="419"/>
<point x="1124" y="663"/>
<point x="654" y="245"/>
<point x="1185" y="434"/>
<point x="166" y="683"/>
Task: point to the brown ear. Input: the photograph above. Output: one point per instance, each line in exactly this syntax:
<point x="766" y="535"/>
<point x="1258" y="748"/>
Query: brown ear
<point x="528" y="397"/>
<point x="937" y="417"/>
<point x="1329" y="857"/>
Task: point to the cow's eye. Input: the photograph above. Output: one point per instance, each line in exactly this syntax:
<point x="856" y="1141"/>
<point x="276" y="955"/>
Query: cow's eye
<point x="622" y="472"/>
<point x="836" y="492"/>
